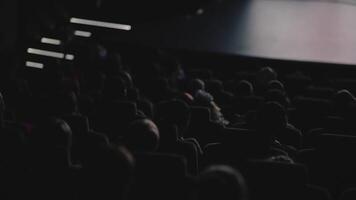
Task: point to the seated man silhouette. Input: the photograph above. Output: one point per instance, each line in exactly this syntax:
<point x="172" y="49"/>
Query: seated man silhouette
<point x="272" y="124"/>
<point x="142" y="137"/>
<point x="221" y="182"/>
<point x="344" y="103"/>
<point x="49" y="156"/>
<point x="108" y="173"/>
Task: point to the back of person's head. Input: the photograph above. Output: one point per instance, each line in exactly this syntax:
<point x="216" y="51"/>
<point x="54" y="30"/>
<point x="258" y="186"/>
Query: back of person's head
<point x="243" y="88"/>
<point x="265" y="75"/>
<point x="146" y="106"/>
<point x="142" y="136"/>
<point x="186" y="97"/>
<point x="343" y="98"/>
<point x="174" y="112"/>
<point x="222" y="182"/>
<point x="51" y="137"/>
<point x="195" y="85"/>
<point x="159" y="176"/>
<point x="108" y="173"/>
<point x="276" y="85"/>
<point x="114" y="88"/>
<point x="271" y="117"/>
<point x="280" y="159"/>
<point x="127" y="78"/>
<point x="203" y="98"/>
<point x="277" y="96"/>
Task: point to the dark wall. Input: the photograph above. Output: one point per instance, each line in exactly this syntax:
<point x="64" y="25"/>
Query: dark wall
<point x="8" y="25"/>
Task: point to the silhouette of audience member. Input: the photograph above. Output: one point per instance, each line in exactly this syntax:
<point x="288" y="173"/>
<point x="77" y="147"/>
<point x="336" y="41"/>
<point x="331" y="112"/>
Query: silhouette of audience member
<point x="263" y="77"/>
<point x="245" y="98"/>
<point x="205" y="99"/>
<point x="159" y="90"/>
<point x="142" y="136"/>
<point x="222" y="182"/>
<point x="174" y="112"/>
<point x="50" y="167"/>
<point x="344" y="103"/>
<point x="147" y="107"/>
<point x="277" y="96"/>
<point x="281" y="159"/>
<point x="121" y="103"/>
<point x="127" y="78"/>
<point x="196" y="85"/>
<point x="186" y="97"/>
<point x="170" y="142"/>
<point x="243" y="89"/>
<point x="221" y="96"/>
<point x="272" y="123"/>
<point x="51" y="142"/>
<point x="108" y="173"/>
<point x="275" y="85"/>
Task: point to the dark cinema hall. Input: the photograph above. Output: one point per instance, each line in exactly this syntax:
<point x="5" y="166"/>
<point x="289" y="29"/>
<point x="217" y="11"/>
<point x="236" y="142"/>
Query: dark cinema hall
<point x="178" y="99"/>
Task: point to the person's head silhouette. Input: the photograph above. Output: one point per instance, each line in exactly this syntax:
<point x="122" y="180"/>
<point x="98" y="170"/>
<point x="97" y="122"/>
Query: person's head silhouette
<point x="142" y="136"/>
<point x="271" y="118"/>
<point x="222" y="182"/>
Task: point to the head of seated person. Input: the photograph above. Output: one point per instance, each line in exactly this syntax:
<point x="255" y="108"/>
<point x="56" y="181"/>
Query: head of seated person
<point x="264" y="76"/>
<point x="277" y="96"/>
<point x="175" y="112"/>
<point x="221" y="182"/>
<point x="51" y="141"/>
<point x="343" y="99"/>
<point x="186" y="97"/>
<point x="271" y="117"/>
<point x="205" y="99"/>
<point x="276" y="84"/>
<point x="142" y="136"/>
<point x="280" y="159"/>
<point x="109" y="172"/>
<point x="243" y="88"/>
<point x="195" y="85"/>
<point x="146" y="106"/>
<point x="127" y="78"/>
